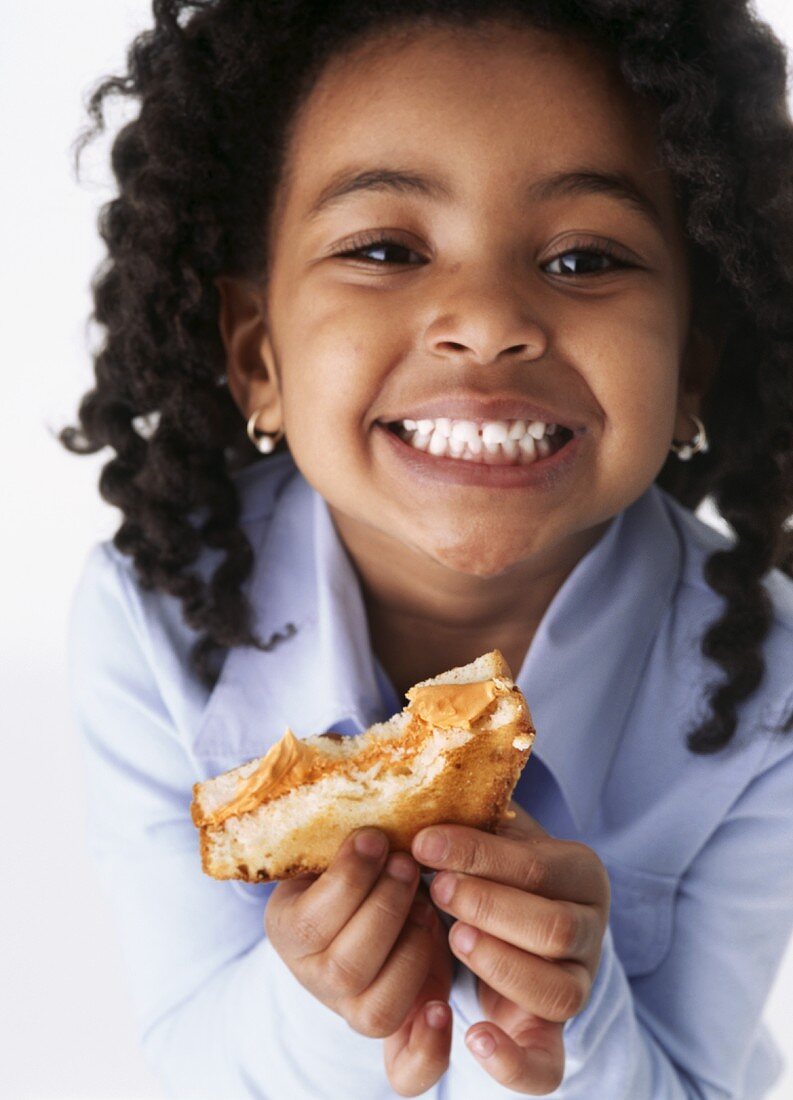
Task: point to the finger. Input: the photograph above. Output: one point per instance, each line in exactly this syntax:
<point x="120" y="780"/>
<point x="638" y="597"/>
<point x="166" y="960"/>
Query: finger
<point x="553" y="929"/>
<point x="510" y="1017"/>
<point x="311" y="917"/>
<point x="356" y="956"/>
<point x="531" y="1062"/>
<point x="561" y="869"/>
<point x="417" y="1054"/>
<point x="555" y="991"/>
<point x="380" y="1008"/>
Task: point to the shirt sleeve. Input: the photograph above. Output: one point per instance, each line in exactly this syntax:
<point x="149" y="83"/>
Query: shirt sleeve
<point x="220" y="1014"/>
<point x="692" y="1029"/>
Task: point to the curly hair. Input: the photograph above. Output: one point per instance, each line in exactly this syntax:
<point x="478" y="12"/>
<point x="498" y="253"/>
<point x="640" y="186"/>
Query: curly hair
<point x="220" y="81"/>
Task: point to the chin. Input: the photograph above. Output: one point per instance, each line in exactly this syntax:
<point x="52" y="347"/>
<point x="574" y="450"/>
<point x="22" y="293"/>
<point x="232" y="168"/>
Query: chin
<point x="479" y="559"/>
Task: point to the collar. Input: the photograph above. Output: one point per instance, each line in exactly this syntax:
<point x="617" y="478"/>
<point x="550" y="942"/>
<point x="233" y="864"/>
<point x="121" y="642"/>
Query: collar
<point x="586" y="660"/>
<point x="303" y="590"/>
<point x="579" y="675"/>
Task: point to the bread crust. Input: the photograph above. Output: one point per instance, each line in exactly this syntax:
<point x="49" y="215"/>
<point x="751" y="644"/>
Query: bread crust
<point x="472" y="787"/>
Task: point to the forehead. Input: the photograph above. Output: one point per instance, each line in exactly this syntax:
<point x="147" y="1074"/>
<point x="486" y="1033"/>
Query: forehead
<point x="494" y="105"/>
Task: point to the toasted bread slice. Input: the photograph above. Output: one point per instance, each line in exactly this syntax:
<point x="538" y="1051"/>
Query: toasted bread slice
<point x="400" y="776"/>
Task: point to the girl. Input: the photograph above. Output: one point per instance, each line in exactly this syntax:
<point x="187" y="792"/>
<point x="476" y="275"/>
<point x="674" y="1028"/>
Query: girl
<point x="428" y="326"/>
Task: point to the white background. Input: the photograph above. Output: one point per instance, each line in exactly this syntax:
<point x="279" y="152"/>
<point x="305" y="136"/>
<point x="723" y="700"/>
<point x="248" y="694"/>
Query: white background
<point x="67" y="1027"/>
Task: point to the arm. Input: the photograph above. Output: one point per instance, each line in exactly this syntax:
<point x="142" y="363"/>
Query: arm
<point x="219" y="1012"/>
<point x="687" y="1030"/>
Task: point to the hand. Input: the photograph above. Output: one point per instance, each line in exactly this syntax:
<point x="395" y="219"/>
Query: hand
<point x="532" y="912"/>
<point x="365" y="940"/>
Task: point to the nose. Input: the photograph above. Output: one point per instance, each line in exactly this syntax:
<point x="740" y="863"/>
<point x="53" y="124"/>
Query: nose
<point x="485" y="328"/>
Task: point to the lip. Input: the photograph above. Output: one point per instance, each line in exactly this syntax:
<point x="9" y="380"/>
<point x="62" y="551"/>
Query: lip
<point x="479" y="407"/>
<point x="543" y="473"/>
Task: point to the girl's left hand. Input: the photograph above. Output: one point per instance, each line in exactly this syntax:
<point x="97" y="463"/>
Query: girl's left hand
<point x="532" y="913"/>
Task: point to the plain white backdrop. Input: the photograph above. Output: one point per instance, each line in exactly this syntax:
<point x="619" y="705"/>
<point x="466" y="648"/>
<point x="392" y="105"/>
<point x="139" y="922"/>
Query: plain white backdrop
<point x="68" y="1030"/>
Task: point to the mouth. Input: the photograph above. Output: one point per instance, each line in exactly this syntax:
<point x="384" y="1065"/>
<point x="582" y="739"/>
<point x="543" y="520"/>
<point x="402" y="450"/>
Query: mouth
<point x="518" y="443"/>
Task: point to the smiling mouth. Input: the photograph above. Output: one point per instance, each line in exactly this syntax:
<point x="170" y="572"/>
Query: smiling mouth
<point x="488" y="443"/>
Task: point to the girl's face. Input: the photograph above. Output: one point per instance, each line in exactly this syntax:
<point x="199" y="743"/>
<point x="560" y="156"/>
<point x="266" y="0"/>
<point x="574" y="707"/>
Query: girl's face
<point x="484" y="292"/>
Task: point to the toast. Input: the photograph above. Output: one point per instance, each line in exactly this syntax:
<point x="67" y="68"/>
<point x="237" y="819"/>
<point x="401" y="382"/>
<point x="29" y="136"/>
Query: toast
<point x="453" y="754"/>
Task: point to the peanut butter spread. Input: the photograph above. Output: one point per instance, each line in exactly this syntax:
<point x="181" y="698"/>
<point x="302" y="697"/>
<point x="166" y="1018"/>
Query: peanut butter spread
<point x="286" y="764"/>
<point x="290" y="762"/>
<point x="452" y="705"/>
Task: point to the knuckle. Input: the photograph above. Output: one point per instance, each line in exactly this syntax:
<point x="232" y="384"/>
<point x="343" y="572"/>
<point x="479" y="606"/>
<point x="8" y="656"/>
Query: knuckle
<point x="552" y="1080"/>
<point x="591" y="863"/>
<point x="562" y="934"/>
<point x="537" y="875"/>
<point x="389" y="905"/>
<point x="342" y="976"/>
<point x="502" y="972"/>
<point x="580" y="996"/>
<point x="556" y="1078"/>
<point x="548" y="1077"/>
<point x="414" y="953"/>
<point x="372" y="1019"/>
<point x="305" y="931"/>
<point x="578" y="850"/>
<point x="565" y="999"/>
<point x="475" y="855"/>
<point x="476" y="903"/>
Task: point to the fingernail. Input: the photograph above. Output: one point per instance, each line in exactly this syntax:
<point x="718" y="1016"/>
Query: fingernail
<point x="370" y="843"/>
<point x="463" y="938"/>
<point x="437" y="1014"/>
<point x="482" y="1043"/>
<point x="432" y="845"/>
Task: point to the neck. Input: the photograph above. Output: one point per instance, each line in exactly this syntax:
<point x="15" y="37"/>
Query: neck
<point x="425" y="617"/>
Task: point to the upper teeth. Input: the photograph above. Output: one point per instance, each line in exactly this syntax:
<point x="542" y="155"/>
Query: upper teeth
<point x="489" y="432"/>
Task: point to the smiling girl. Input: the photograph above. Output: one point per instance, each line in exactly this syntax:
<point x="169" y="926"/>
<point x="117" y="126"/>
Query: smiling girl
<point x="428" y="325"/>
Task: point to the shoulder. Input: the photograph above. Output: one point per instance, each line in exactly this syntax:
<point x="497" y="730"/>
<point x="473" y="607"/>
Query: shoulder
<point x="111" y="608"/>
<point x="698" y="604"/>
<point x="258" y="487"/>
<point x="700" y="539"/>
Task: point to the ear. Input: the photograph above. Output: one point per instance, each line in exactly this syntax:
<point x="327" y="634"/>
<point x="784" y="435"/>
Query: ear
<point x="250" y="362"/>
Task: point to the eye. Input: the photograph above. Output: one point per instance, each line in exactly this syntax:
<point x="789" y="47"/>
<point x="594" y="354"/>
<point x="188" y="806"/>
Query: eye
<point x="377" y="243"/>
<point x="592" y="255"/>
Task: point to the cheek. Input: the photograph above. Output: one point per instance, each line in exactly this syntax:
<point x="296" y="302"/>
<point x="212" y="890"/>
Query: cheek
<point x="330" y="379"/>
<point x="635" y="380"/>
<point x="323" y="424"/>
<point x="644" y="409"/>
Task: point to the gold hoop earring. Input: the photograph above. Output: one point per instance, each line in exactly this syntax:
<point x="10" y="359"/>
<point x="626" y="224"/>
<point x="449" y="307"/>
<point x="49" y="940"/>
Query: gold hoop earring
<point x="685" y="451"/>
<point x="266" y="442"/>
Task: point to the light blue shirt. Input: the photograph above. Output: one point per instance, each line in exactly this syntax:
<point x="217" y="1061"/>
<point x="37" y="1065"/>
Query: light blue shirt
<point x="699" y="850"/>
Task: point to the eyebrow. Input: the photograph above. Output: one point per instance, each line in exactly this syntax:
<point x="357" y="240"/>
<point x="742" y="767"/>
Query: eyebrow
<point x="585" y="180"/>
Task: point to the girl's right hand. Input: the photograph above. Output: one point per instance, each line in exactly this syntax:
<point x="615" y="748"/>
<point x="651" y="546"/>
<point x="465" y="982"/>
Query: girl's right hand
<point x="365" y="940"/>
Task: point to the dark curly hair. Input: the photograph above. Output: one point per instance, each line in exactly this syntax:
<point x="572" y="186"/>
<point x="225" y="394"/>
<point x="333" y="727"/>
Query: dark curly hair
<point x="218" y="84"/>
